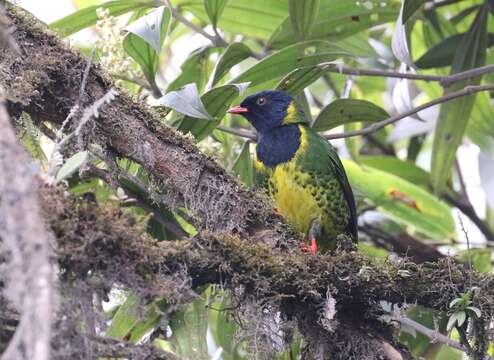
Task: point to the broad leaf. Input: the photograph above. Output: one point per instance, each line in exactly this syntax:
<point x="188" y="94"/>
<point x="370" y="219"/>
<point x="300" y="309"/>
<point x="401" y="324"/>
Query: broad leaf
<point x="338" y="19"/>
<point x="410" y="7"/>
<point x="345" y="111"/>
<point x="296" y="81"/>
<point x="189" y="326"/>
<point x="233" y="54"/>
<point x="405" y="201"/>
<point x="406" y="170"/>
<point x="217" y="101"/>
<point x="282" y="62"/>
<point x="214" y="9"/>
<point x="125" y="318"/>
<point x="256" y="18"/>
<point x="186" y="101"/>
<point x="454" y="115"/>
<point x="144" y="40"/>
<point x="443" y="53"/>
<point x="87" y="17"/>
<point x="480" y="257"/>
<point x="302" y="16"/>
<point x="152" y="27"/>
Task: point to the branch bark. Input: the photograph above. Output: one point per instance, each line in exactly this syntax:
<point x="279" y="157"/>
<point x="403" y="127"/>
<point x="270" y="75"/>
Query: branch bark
<point x="24" y="251"/>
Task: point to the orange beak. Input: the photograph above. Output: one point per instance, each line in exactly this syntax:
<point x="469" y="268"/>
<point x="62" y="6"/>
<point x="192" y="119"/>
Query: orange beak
<point x="237" y="110"/>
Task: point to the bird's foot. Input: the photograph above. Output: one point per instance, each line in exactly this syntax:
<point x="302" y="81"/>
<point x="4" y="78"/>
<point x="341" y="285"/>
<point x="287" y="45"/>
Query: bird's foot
<point x="312" y="248"/>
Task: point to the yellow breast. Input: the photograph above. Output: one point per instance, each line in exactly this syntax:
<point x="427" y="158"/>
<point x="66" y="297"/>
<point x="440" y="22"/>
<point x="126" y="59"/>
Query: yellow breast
<point x="293" y="197"/>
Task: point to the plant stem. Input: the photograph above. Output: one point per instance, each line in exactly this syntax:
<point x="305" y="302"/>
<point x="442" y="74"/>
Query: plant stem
<point x="468" y="90"/>
<point x="445" y="81"/>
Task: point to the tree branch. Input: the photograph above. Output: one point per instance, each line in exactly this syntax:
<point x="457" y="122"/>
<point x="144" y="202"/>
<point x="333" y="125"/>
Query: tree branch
<point x="434" y="335"/>
<point x="468" y="90"/>
<point x="443" y="80"/>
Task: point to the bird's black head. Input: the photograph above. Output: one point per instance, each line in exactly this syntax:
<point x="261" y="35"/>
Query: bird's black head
<point x="265" y="110"/>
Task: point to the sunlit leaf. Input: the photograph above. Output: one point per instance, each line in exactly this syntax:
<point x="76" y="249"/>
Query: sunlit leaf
<point x="338" y="19"/>
<point x="302" y="16"/>
<point x="257" y="18"/>
<point x="87" y="17"/>
<point x="401" y="168"/>
<point x="454" y="115"/>
<point x="345" y="111"/>
<point x="282" y="62"/>
<point x="405" y="201"/>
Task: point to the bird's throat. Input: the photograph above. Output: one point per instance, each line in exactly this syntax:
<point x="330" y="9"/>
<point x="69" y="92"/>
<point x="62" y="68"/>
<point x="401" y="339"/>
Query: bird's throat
<point x="279" y="145"/>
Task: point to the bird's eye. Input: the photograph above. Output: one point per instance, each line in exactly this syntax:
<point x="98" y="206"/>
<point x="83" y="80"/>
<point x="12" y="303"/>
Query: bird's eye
<point x="261" y="101"/>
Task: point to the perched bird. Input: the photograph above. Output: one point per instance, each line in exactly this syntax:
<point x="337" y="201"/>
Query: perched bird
<point x="300" y="169"/>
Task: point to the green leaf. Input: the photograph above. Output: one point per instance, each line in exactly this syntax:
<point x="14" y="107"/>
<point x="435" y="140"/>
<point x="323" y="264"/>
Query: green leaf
<point x="302" y="15"/>
<point x="454" y="115"/>
<point x="443" y="53"/>
<point x="217" y="101"/>
<point x="223" y="326"/>
<point x="480" y="128"/>
<point x="72" y="165"/>
<point x="338" y="19"/>
<point x="186" y="101"/>
<point x="296" y="81"/>
<point x="243" y="165"/>
<point x="410" y="7"/>
<point x="233" y="54"/>
<point x="295" y="56"/>
<point x="255" y="18"/>
<point x="481" y="259"/>
<point x="406" y="170"/>
<point x="152" y="27"/>
<point x="125" y="318"/>
<point x="346" y="111"/>
<point x="144" y="39"/>
<point x="189" y="326"/>
<point x="87" y="17"/>
<point x="405" y="201"/>
<point x="214" y="9"/>
<point x="194" y="69"/>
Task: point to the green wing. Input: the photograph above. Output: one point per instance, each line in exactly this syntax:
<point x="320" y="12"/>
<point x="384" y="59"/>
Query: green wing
<point x="323" y="158"/>
<point x="347" y="190"/>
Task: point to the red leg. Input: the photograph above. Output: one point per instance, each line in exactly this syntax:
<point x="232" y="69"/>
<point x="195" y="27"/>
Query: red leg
<point x="312" y="248"/>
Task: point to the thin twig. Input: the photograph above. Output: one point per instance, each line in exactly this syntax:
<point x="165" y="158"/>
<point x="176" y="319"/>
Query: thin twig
<point x="469" y="90"/>
<point x="434" y="335"/>
<point x="443" y="80"/>
<point x="238" y="132"/>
